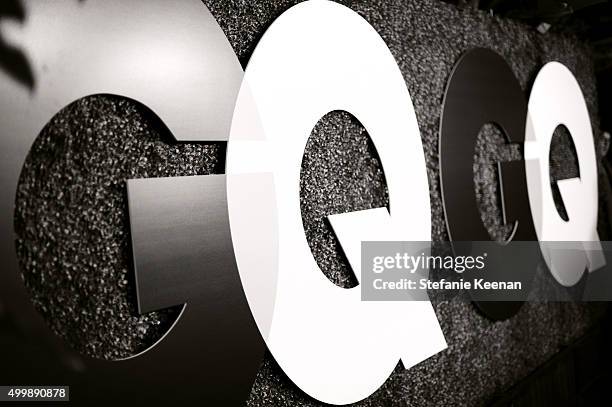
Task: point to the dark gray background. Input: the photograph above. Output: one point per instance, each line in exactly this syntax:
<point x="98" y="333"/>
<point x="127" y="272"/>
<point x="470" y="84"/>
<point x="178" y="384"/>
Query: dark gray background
<point x="73" y="234"/>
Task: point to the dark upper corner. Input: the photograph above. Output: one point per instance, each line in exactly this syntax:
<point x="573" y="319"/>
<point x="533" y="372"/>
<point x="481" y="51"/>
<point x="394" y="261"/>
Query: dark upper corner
<point x="13" y="60"/>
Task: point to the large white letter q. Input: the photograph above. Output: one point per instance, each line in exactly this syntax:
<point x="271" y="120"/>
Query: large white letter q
<point x="318" y="57"/>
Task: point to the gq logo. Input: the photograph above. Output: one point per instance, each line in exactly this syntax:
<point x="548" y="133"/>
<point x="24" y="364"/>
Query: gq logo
<point x="240" y="261"/>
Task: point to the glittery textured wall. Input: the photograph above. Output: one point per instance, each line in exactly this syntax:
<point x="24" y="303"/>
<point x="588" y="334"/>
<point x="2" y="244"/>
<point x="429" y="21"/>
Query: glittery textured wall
<point x="71" y="213"/>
